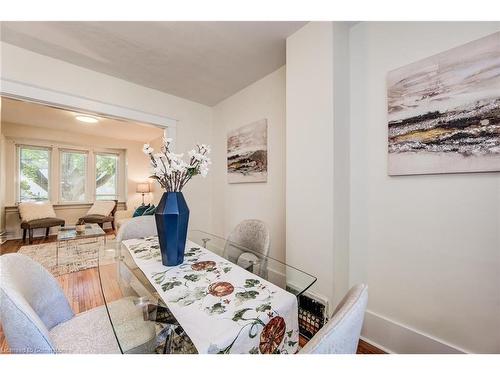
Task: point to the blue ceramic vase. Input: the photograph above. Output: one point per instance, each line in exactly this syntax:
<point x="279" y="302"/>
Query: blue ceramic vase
<point x="172" y="218"/>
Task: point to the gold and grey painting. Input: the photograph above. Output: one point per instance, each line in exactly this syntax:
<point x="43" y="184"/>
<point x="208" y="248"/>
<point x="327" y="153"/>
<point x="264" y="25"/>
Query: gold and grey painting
<point x="444" y="111"/>
<point x="247" y="153"/>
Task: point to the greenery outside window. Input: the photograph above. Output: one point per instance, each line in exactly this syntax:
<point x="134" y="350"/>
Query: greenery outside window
<point x="34" y="173"/>
<point x="73" y="176"/>
<point x="65" y="175"/>
<point x="106" y="174"/>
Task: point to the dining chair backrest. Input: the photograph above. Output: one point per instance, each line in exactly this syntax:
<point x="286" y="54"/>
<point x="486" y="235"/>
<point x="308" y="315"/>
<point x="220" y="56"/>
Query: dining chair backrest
<point x="249" y="239"/>
<point x="31" y="303"/>
<point x="341" y="334"/>
<point x="137" y="227"/>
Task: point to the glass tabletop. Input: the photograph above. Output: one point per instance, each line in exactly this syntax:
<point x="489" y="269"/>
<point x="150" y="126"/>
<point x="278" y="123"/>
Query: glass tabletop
<point x="70" y="233"/>
<point x="142" y="321"/>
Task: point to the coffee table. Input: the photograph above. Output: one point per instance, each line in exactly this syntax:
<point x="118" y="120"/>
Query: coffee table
<point x="70" y="240"/>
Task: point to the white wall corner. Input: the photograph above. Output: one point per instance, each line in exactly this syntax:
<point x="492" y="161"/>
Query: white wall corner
<point x="309" y="128"/>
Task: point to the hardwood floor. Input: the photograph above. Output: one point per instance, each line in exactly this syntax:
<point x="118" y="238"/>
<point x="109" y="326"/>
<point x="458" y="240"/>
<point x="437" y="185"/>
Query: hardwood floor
<point x="365" y="348"/>
<point x="83" y="291"/>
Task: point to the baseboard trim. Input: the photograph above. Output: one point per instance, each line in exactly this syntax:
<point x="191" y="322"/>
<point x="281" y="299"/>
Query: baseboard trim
<point x="394" y="337"/>
<point x="377" y="345"/>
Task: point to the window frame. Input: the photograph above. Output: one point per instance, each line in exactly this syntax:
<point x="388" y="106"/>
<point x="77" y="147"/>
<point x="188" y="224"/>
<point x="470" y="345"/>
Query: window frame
<point x="59" y="177"/>
<point x="54" y="169"/>
<point x="19" y="148"/>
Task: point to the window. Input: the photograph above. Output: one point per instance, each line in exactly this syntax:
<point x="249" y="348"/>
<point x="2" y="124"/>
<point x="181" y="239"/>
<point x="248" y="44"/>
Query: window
<point x="73" y="176"/>
<point x="106" y="176"/>
<point x="66" y="175"/>
<point x="34" y="173"/>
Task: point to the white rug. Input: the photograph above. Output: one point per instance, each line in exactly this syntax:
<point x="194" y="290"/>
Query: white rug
<point x="70" y="260"/>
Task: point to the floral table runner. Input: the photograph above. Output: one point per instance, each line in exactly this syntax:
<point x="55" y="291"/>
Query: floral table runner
<point x="221" y="306"/>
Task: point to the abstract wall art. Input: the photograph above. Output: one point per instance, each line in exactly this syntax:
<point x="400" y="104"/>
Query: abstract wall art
<point x="247" y="153"/>
<point x="444" y="111"/>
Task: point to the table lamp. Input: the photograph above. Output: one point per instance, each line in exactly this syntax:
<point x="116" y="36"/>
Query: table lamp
<point x="143" y="188"/>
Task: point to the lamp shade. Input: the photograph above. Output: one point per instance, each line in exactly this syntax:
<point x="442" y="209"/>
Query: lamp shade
<point x="143" y="188"/>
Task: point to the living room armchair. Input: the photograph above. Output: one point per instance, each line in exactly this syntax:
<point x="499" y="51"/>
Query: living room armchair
<point x="36" y="215"/>
<point x="101" y="212"/>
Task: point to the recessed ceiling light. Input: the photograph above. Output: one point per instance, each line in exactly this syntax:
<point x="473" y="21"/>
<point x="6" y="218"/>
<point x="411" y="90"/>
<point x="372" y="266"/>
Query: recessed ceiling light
<point x="87" y="119"/>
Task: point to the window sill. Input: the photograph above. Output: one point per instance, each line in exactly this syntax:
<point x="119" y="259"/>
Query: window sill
<point x="68" y="206"/>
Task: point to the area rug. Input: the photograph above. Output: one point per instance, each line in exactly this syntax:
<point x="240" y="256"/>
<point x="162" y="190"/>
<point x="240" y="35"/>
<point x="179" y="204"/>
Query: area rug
<point x="70" y="260"/>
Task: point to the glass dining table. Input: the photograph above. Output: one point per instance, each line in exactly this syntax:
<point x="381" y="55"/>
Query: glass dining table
<point x="141" y="319"/>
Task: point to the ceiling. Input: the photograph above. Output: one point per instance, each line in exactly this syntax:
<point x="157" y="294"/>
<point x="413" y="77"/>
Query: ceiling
<point x="42" y="116"/>
<point x="201" y="61"/>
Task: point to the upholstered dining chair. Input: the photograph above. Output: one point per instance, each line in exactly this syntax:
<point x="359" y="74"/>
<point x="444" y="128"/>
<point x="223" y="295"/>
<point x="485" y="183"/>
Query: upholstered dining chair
<point x="37" y="318"/>
<point x="137" y="227"/>
<point x="341" y="334"/>
<point x="248" y="246"/>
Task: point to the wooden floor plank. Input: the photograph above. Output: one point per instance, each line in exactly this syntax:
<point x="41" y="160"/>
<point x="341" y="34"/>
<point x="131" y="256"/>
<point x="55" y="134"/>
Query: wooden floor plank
<point x="83" y="290"/>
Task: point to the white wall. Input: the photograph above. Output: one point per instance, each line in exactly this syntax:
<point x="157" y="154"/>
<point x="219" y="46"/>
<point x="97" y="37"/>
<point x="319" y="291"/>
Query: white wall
<point x="428" y="246"/>
<point x="194" y="120"/>
<point x="341" y="166"/>
<point x="233" y="203"/>
<point x="309" y="154"/>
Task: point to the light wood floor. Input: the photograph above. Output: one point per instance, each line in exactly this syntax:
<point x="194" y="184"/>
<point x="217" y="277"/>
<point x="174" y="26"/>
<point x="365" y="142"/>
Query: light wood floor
<point x="84" y="292"/>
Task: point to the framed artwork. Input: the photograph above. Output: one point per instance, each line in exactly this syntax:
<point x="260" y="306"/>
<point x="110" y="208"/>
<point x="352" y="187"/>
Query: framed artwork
<point x="444" y="111"/>
<point x="247" y="153"/>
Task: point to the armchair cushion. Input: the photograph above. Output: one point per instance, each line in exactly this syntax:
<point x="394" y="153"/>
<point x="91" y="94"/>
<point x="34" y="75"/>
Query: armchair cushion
<point x="97" y="219"/>
<point x="103" y="208"/>
<point x="42" y="223"/>
<point x="36" y="210"/>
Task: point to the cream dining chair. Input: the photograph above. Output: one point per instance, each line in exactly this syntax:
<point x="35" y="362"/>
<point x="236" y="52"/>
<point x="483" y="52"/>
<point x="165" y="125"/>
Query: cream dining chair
<point x="37" y="318"/>
<point x="341" y="334"/>
<point x="137" y="227"/>
<point x="248" y="246"/>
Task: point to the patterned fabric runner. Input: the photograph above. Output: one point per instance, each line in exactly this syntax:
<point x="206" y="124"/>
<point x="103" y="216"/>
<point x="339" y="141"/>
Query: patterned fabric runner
<point x="222" y="307"/>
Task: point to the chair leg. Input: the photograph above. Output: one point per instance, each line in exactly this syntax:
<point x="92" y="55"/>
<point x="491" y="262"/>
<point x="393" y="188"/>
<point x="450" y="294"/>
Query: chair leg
<point x="47" y="232"/>
<point x="30" y="236"/>
<point x="113" y="225"/>
<point x="24" y="235"/>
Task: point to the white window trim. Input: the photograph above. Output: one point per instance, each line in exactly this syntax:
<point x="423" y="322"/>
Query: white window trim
<point x="86" y="191"/>
<point x="54" y="169"/>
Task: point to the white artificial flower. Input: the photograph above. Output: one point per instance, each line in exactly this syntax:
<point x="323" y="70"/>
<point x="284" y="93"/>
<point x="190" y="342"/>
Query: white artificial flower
<point x="196" y="155"/>
<point x="171" y="169"/>
<point x="203" y="171"/>
<point x="179" y="165"/>
<point x="167" y="141"/>
<point x="172" y="156"/>
<point x="147" y="149"/>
